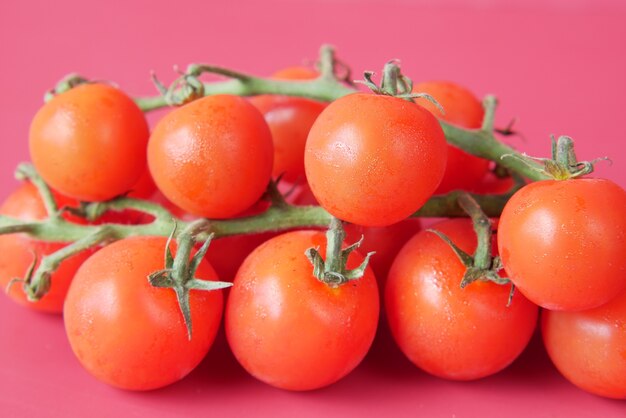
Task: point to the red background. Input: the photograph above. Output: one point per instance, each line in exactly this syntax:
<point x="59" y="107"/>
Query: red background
<point x="557" y="66"/>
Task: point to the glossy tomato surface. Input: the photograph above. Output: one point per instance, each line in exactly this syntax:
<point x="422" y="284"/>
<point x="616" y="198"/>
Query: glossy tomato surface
<point x="129" y="334"/>
<point x="212" y="157"/>
<point x="289" y="119"/>
<point x="374" y="160"/>
<point x="563" y="243"/>
<point x="461" y="107"/>
<point x="589" y="347"/>
<point x="17" y="251"/>
<point x="89" y="143"/>
<point x="290" y="330"/>
<point x="450" y="332"/>
<point x="385" y="241"/>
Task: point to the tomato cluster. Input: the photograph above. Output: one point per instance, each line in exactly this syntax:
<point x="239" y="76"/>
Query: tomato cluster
<point x="370" y="160"/>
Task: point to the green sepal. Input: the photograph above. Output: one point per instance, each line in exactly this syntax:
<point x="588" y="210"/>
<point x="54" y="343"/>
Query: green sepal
<point x="466" y="259"/>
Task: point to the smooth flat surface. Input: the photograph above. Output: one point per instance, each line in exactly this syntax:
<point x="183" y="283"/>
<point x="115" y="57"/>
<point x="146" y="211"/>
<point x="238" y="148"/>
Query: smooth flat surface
<point x="557" y="66"/>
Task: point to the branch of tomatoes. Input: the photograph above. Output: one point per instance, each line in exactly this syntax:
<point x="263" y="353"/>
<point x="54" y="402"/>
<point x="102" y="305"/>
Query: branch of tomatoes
<point x="280" y="216"/>
<point x="328" y="87"/>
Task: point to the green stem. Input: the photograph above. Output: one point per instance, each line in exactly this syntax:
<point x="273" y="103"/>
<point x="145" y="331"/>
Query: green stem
<point x="334" y="238"/>
<point x="484" y="144"/>
<point x="482" y="227"/>
<point x="38" y="285"/>
<point x="276" y="218"/>
<point x="26" y="171"/>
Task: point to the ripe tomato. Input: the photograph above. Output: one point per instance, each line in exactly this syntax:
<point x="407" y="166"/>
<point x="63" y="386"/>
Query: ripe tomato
<point x="17" y="251"/>
<point x="589" y="347"/>
<point x="492" y="184"/>
<point x="227" y="254"/>
<point x="289" y="120"/>
<point x="386" y="241"/>
<point x="563" y="243"/>
<point x="463" y="171"/>
<point x="289" y="329"/>
<point x="374" y="160"/>
<point x="132" y="335"/>
<point x="143" y="189"/>
<point x="213" y="156"/>
<point x="454" y="333"/>
<point x="296" y="73"/>
<point x="89" y="143"/>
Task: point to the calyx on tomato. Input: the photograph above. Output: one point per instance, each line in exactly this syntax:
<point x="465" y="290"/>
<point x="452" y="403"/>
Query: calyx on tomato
<point x="482" y="265"/>
<point x="179" y="272"/>
<point x="563" y="165"/>
<point x="333" y="271"/>
<point x="394" y="83"/>
<point x="66" y="83"/>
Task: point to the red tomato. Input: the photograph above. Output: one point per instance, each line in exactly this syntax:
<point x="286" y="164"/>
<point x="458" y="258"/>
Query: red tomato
<point x="563" y="243"/>
<point x="132" y="335"/>
<point x="89" y="143"/>
<point x="374" y="160"/>
<point x="386" y="241"/>
<point x="454" y="333"/>
<point x="143" y="189"/>
<point x="589" y="347"/>
<point x="227" y="254"/>
<point x="289" y="120"/>
<point x="213" y="156"/>
<point x="289" y="329"/>
<point x="17" y="251"/>
<point x="492" y="184"/>
<point x="463" y="171"/>
<point x="296" y="73"/>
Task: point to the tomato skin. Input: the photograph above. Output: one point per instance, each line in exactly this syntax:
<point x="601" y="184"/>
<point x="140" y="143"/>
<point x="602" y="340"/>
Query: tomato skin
<point x="213" y="156"/>
<point x="289" y="120"/>
<point x="463" y="171"/>
<point x="129" y="334"/>
<point x="563" y="243"/>
<point x="290" y="330"/>
<point x="366" y="158"/>
<point x="17" y="251"/>
<point x="89" y="143"/>
<point x="385" y="241"/>
<point x="296" y="73"/>
<point x="492" y="184"/>
<point x="227" y="254"/>
<point x="453" y="333"/>
<point x="589" y="347"/>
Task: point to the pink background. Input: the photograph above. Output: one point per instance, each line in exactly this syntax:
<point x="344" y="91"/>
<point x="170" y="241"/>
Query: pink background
<point x="558" y="66"/>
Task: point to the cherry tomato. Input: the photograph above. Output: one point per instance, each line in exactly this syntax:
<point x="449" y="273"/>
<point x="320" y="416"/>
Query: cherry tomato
<point x="132" y="335"/>
<point x="143" y="189"/>
<point x="89" y="143"/>
<point x="212" y="157"/>
<point x="374" y="160"/>
<point x="296" y="73"/>
<point x="450" y="332"/>
<point x="227" y="254"/>
<point x="463" y="171"/>
<point x="289" y="329"/>
<point x="385" y="241"/>
<point x="17" y="251"/>
<point x="563" y="243"/>
<point x="289" y="119"/>
<point x="492" y="184"/>
<point x="589" y="347"/>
